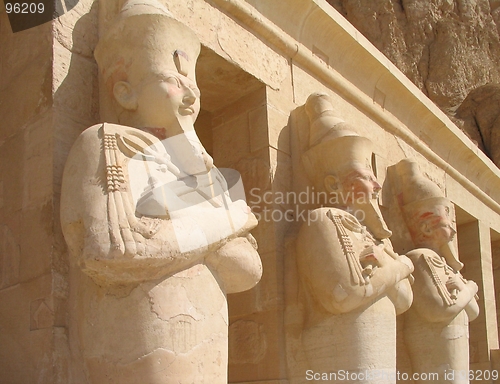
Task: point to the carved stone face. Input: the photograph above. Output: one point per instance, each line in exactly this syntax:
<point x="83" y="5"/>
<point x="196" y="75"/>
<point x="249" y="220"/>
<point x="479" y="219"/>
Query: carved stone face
<point x="357" y="189"/>
<point x="164" y="100"/>
<point x="435" y="228"/>
<point x="442" y="228"/>
<point x="361" y="184"/>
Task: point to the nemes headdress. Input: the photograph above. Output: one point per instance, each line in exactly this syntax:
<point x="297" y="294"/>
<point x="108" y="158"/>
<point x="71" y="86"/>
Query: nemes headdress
<point x="334" y="146"/>
<point x="419" y="197"/>
<point x="417" y="190"/>
<point x="145" y="35"/>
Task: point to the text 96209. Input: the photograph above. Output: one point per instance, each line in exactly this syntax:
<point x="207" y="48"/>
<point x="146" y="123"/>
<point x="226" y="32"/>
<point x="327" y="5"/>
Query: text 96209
<point x="25" y="8"/>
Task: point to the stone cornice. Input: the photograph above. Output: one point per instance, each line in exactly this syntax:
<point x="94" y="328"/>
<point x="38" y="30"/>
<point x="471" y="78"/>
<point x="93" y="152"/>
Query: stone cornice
<point x="405" y="111"/>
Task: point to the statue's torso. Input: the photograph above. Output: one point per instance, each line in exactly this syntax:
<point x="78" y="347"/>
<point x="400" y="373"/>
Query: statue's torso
<point x="362" y="340"/>
<point x="172" y="324"/>
<point x="161" y="316"/>
<point x="436" y="346"/>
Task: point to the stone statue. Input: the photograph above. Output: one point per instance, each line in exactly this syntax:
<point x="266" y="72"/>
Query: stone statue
<point x="354" y="283"/>
<point x="436" y="326"/>
<point x="156" y="237"/>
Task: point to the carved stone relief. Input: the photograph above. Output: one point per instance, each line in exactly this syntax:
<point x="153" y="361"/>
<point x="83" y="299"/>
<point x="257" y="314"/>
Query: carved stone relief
<point x="157" y="237"/>
<point x="247" y="343"/>
<point x="352" y="282"/>
<point x="436" y="326"/>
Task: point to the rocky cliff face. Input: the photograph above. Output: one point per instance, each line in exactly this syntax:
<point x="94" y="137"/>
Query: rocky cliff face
<point x="448" y="48"/>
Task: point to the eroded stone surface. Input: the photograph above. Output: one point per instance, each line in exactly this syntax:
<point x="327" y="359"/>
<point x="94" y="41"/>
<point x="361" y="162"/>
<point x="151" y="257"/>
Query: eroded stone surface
<point x="157" y="236"/>
<point x="353" y="283"/>
<point x="436" y="326"/>
<point x="479" y="113"/>
<point x="449" y="49"/>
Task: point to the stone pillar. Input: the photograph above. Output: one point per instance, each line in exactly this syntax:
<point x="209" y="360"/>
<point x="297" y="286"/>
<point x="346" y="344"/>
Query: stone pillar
<point x="474" y="244"/>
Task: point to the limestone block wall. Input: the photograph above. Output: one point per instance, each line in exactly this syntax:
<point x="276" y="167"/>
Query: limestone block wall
<point x="239" y="135"/>
<point x="26" y="206"/>
<point x="46" y="78"/>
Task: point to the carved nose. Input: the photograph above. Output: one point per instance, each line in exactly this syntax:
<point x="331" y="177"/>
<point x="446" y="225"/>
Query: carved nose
<point x="376" y="186"/>
<point x="189" y="97"/>
<point x="453" y="232"/>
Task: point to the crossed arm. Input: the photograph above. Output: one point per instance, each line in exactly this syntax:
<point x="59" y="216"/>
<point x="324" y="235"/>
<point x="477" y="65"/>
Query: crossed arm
<point x="111" y="244"/>
<point x="429" y="303"/>
<point x="324" y="270"/>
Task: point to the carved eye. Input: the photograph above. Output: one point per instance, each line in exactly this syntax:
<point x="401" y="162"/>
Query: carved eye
<point x="365" y="177"/>
<point x="173" y="80"/>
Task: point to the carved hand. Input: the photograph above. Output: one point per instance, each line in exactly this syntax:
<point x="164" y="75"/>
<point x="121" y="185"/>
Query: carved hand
<point x="406" y="261"/>
<point x="472" y="286"/>
<point x="454" y="282"/>
<point x="402" y="263"/>
<point x="237" y="264"/>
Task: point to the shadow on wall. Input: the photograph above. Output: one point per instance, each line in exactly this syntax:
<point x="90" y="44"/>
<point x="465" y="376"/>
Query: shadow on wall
<point x="75" y="105"/>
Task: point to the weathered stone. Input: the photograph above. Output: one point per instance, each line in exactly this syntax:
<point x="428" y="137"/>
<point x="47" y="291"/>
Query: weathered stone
<point x="77" y="71"/>
<point x="151" y="224"/>
<point x="446" y="48"/>
<point x="10" y="257"/>
<point x="353" y="283"/>
<point x="248" y="343"/>
<point x="480" y="112"/>
<point x="436" y="326"/>
<point x="259" y="62"/>
<point x="77" y="30"/>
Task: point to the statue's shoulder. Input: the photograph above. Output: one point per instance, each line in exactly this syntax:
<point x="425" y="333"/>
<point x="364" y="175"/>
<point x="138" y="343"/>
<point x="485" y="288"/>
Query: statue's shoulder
<point x="85" y="148"/>
<point x="97" y="132"/>
<point x="89" y="135"/>
<point x="329" y="223"/>
<point x="327" y="211"/>
<point x="326" y="216"/>
<point x="93" y="130"/>
<point x="122" y="130"/>
<point x="425" y="259"/>
<point x="92" y="138"/>
<point x="420" y="254"/>
<point x="326" y="235"/>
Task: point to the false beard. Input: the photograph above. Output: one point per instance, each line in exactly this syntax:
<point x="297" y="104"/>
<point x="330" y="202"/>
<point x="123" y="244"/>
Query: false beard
<point x="369" y="215"/>
<point x="188" y="154"/>
<point x="448" y="252"/>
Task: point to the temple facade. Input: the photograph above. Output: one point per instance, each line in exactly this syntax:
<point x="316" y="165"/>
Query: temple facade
<point x="260" y="61"/>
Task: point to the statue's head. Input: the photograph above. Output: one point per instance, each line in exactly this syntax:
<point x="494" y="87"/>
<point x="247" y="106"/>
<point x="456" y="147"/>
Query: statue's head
<point x="339" y="163"/>
<point x="427" y="213"/>
<point x="147" y="64"/>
